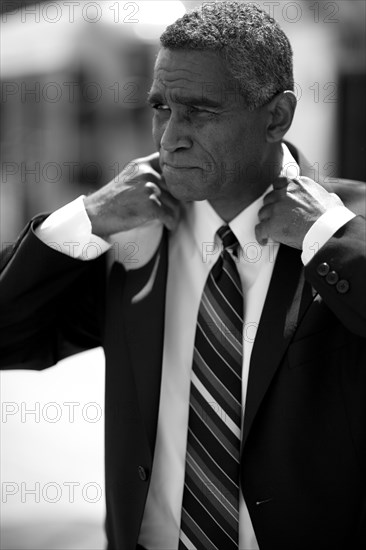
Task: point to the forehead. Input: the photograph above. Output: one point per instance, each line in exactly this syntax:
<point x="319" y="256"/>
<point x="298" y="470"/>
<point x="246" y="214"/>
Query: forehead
<point x="187" y="72"/>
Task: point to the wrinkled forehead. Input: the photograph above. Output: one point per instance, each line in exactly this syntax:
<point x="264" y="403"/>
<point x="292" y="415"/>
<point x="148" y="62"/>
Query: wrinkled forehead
<point x="185" y="72"/>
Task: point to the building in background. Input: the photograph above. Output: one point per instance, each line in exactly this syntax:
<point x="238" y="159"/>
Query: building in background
<point x="74" y="82"/>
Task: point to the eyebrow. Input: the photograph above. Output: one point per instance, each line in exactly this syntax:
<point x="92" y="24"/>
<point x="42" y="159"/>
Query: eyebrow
<point x="199" y="101"/>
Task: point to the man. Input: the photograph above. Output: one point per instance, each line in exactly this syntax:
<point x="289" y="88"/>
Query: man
<point x="235" y="347"/>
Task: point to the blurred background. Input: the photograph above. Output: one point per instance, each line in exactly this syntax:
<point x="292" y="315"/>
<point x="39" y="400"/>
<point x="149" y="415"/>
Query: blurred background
<point x="73" y="113"/>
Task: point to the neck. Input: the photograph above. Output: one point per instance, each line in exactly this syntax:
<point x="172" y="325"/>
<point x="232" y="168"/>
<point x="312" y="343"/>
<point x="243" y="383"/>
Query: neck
<point x="249" y="190"/>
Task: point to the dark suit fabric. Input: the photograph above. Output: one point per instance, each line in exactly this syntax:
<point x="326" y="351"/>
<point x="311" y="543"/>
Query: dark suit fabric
<point x="304" y="448"/>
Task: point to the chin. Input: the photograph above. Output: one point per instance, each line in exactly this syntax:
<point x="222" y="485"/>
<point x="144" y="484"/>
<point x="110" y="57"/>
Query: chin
<point x="187" y="188"/>
<point x="186" y="193"/>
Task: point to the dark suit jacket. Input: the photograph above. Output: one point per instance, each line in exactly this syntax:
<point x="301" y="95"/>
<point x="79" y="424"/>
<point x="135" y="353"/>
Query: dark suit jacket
<point x="304" y="453"/>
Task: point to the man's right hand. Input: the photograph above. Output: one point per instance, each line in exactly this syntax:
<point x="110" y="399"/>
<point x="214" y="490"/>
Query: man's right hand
<point x="125" y="202"/>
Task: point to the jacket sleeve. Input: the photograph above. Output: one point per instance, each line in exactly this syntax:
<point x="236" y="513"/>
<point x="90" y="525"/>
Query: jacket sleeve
<point x="338" y="273"/>
<point x="50" y="304"/>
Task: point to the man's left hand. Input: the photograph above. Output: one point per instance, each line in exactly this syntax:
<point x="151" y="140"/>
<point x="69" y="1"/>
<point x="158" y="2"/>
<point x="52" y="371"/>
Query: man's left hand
<point x="290" y="210"/>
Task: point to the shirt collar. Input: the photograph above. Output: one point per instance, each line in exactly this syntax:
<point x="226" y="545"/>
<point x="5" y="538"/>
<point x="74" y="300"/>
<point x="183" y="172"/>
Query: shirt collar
<point x="204" y="221"/>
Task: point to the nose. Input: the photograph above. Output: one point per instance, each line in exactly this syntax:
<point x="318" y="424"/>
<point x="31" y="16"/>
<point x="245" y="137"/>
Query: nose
<point x="175" y="135"/>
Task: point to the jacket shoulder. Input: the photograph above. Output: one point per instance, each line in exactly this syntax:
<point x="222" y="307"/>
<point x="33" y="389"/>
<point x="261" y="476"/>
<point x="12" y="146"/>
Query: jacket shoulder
<point x="351" y="192"/>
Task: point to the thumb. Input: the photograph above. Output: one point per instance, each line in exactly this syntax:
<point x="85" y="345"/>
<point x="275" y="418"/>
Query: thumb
<point x="280" y="183"/>
<point x="153" y="160"/>
<point x="261" y="233"/>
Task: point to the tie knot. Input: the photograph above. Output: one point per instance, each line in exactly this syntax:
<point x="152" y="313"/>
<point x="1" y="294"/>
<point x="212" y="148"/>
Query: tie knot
<point x="229" y="241"/>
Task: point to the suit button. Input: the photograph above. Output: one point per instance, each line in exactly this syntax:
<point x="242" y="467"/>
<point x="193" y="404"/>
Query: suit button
<point x="342" y="286"/>
<point x="332" y="278"/>
<point x="143" y="475"/>
<point x="323" y="269"/>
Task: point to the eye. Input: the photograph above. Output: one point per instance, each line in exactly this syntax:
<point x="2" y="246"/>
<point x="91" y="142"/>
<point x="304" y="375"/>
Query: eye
<point x="160" y="107"/>
<point x="192" y="110"/>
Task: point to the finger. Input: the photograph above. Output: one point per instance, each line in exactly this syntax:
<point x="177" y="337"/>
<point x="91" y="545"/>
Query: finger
<point x="261" y="233"/>
<point x="280" y="183"/>
<point x="270" y="198"/>
<point x="153" y="188"/>
<point x="155" y="199"/>
<point x="150" y="175"/>
<point x="156" y="178"/>
<point x="154" y="161"/>
<point x="135" y="173"/>
<point x="265" y="213"/>
<point x="159" y="196"/>
<point x="154" y="191"/>
<point x="165" y="207"/>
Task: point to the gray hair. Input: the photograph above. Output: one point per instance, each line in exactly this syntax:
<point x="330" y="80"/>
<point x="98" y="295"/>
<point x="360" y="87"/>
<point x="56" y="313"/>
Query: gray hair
<point x="256" y="51"/>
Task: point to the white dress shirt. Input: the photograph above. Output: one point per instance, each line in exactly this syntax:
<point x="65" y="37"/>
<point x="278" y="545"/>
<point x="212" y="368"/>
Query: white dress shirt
<point x="193" y="250"/>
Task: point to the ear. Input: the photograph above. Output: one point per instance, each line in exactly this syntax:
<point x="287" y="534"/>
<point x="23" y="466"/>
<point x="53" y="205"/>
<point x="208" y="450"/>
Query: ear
<point x="281" y="111"/>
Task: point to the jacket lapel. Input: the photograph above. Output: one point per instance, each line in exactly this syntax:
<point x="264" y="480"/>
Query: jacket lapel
<point x="144" y="314"/>
<point x="287" y="300"/>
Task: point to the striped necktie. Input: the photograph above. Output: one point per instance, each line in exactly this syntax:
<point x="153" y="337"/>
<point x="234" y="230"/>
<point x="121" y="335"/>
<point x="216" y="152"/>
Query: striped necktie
<point x="210" y="508"/>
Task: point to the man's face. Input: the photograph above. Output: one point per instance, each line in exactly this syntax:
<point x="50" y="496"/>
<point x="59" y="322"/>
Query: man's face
<point x="211" y="147"/>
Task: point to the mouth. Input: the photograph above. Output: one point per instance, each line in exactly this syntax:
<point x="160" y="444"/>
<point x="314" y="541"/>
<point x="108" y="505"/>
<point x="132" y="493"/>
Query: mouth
<point x="174" y="167"/>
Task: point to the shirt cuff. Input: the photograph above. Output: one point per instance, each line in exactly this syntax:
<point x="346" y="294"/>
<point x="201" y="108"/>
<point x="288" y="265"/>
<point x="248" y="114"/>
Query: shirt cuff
<point x="323" y="229"/>
<point x="69" y="231"/>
